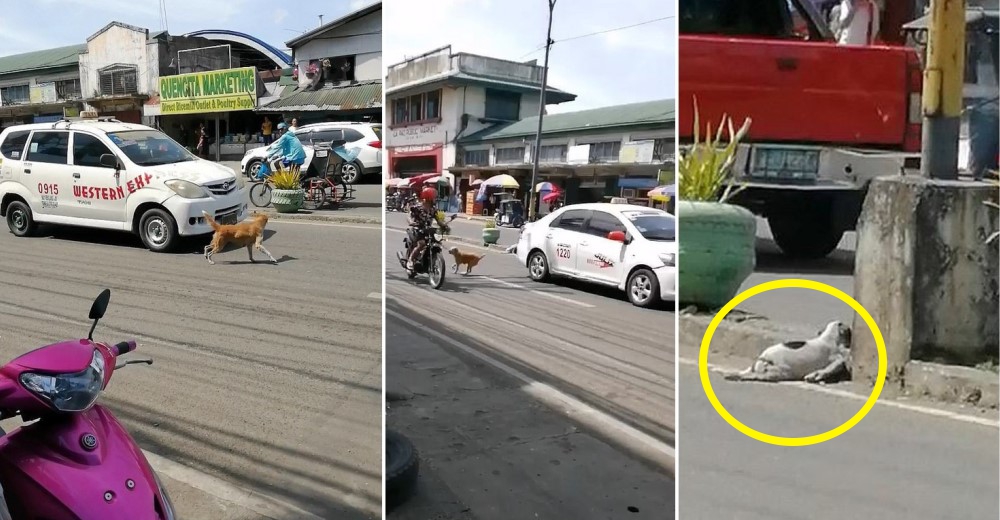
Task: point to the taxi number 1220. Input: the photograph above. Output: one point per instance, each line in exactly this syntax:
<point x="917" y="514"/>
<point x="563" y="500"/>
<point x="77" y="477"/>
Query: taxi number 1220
<point x="562" y="251"/>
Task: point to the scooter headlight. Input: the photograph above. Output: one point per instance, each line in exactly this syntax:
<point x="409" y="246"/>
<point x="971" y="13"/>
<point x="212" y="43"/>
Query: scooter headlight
<point x="69" y="392"/>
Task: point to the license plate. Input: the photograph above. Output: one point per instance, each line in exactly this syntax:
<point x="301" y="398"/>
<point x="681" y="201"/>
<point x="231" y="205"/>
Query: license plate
<point x="322" y="153"/>
<point x="785" y="163"/>
<point x="228" y="219"/>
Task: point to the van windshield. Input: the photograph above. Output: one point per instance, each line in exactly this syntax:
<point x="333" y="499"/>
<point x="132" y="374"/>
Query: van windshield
<point x="150" y="147"/>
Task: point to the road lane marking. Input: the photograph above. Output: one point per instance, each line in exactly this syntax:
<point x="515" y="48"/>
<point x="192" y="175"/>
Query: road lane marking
<point x="640" y="443"/>
<point x="926" y="410"/>
<point x="248" y="499"/>
<point x="375" y="295"/>
<point x="514" y="285"/>
<point x="304" y="222"/>
<point x="543" y="293"/>
<point x="568" y="346"/>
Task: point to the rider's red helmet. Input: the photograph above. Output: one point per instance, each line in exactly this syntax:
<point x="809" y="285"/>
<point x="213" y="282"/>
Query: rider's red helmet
<point x="428" y="194"/>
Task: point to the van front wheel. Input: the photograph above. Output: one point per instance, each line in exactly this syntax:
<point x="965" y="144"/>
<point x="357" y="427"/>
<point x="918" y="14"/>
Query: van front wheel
<point x="158" y="231"/>
<point x="20" y="220"/>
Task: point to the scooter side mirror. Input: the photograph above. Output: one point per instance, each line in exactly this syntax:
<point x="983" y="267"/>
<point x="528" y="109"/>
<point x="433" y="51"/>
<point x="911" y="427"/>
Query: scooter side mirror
<point x="98" y="309"/>
<point x="100" y="305"/>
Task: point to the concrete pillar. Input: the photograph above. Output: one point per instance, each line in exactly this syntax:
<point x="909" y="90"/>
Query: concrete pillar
<point x="925" y="273"/>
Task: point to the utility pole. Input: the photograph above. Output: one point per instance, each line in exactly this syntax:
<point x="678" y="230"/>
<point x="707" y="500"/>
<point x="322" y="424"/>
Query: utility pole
<point x="942" y="96"/>
<point x="532" y="201"/>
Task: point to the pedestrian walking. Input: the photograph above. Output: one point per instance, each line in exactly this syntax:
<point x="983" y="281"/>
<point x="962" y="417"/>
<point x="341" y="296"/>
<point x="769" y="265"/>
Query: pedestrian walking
<point x="294" y="126"/>
<point x="202" y="135"/>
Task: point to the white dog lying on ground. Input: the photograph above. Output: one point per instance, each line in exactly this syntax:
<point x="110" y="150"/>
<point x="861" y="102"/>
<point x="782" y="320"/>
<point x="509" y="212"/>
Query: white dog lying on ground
<point x="816" y="360"/>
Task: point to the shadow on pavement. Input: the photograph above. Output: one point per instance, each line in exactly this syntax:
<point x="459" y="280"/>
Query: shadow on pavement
<point x="770" y="259"/>
<point x="285" y="459"/>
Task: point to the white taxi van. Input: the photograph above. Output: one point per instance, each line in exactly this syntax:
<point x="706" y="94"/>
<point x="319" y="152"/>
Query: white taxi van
<point x="626" y="246"/>
<point x="102" y="173"/>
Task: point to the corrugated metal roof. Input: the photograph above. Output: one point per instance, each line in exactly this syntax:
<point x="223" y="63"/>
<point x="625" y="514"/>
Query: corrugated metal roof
<point x="48" y="58"/>
<point x="632" y="114"/>
<point x="353" y="97"/>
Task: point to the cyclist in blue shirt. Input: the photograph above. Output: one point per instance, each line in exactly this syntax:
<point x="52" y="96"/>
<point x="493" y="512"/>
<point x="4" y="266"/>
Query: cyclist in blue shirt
<point x="287" y="149"/>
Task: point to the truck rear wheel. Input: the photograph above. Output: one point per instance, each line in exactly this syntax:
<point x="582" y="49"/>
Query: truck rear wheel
<point x="807" y="237"/>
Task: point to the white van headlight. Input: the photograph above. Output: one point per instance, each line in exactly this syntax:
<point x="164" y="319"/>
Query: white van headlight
<point x="669" y="258"/>
<point x="186" y="189"/>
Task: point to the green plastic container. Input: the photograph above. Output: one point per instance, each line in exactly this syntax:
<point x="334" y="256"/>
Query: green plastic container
<point x="287" y="201"/>
<point x="490" y="235"/>
<point x="717" y="251"/>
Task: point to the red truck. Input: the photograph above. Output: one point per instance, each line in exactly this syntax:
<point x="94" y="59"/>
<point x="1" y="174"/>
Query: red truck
<point x="826" y="118"/>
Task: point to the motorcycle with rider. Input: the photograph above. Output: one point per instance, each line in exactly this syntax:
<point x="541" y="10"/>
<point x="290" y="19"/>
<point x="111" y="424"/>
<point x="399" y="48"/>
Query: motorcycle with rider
<point x="424" y="254"/>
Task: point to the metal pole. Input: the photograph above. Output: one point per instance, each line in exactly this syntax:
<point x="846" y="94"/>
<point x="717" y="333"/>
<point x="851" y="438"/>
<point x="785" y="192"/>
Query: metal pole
<point x="218" y="142"/>
<point x="532" y="202"/>
<point x="942" y="97"/>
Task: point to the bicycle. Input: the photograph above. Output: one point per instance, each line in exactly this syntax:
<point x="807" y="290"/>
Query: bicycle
<point x="260" y="191"/>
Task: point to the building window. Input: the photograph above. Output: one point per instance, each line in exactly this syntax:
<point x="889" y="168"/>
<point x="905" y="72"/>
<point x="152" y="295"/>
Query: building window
<point x="337" y="69"/>
<point x="119" y="80"/>
<point x="418" y="108"/>
<point x="15" y="95"/>
<point x="433" y="104"/>
<point x="552" y="154"/>
<point x="68" y="89"/>
<point x="663" y="150"/>
<point x="477" y="157"/>
<point x="510" y="155"/>
<point x="399" y="111"/>
<point x="503" y="106"/>
<point x="606" y="152"/>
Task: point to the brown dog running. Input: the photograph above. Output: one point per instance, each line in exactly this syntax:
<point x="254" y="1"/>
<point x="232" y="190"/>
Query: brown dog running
<point x="468" y="259"/>
<point x="249" y="234"/>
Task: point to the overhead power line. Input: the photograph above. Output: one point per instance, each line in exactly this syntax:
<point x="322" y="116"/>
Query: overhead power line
<point x="595" y="33"/>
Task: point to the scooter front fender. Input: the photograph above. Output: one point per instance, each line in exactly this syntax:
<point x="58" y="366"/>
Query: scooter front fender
<point x="81" y="466"/>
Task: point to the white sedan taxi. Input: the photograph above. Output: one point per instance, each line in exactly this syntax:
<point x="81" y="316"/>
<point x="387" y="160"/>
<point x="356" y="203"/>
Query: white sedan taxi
<point x="626" y="246"/>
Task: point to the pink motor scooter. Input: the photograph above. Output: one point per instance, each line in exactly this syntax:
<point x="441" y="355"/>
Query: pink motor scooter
<point x="75" y="461"/>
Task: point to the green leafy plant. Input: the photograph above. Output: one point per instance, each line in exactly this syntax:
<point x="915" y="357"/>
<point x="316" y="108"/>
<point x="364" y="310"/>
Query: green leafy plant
<point x="705" y="167"/>
<point x="287" y="179"/>
<point x="490" y="224"/>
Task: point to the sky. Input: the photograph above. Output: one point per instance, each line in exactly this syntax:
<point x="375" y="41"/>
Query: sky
<point x="624" y="66"/>
<point x="614" y="67"/>
<point x="69" y="22"/>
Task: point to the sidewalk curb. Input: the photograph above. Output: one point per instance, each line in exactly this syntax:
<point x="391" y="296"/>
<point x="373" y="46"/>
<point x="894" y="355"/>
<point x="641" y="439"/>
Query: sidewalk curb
<point x="320" y="217"/>
<point x="942" y="383"/>
<point x="464" y="240"/>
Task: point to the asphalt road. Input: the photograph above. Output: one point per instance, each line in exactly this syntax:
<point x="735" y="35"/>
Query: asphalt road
<point x="801" y="309"/>
<point x="368" y="198"/>
<point x="265" y="394"/>
<point x="895" y="464"/>
<point x="529" y="400"/>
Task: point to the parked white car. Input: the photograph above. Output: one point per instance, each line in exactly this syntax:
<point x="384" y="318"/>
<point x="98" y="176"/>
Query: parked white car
<point x="105" y="174"/>
<point x="626" y="246"/>
<point x="367" y="136"/>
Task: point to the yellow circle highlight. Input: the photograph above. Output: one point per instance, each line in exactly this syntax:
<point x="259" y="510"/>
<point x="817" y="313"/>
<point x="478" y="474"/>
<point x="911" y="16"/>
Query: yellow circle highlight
<point x="791" y="283"/>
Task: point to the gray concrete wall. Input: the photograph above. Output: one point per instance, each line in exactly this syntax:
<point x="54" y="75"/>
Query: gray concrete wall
<point x="926" y="275"/>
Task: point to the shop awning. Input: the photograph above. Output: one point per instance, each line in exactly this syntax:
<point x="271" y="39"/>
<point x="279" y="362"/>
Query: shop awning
<point x="360" y="96"/>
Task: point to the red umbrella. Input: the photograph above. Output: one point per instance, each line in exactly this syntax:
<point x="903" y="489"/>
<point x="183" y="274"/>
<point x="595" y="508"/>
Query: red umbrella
<point x="419" y="179"/>
<point x="551" y="196"/>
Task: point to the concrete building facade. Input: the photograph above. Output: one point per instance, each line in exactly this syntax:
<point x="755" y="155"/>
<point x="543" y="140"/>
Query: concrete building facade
<point x="435" y="99"/>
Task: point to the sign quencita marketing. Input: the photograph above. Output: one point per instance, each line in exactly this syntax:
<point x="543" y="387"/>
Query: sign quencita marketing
<point x="213" y="91"/>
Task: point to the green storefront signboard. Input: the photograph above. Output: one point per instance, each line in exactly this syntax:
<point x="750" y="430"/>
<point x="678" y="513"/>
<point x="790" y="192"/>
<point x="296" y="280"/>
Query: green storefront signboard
<point x="213" y="91"/>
